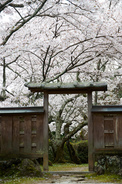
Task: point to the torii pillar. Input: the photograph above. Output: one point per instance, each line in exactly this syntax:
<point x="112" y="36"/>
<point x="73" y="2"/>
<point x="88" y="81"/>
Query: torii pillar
<point x="91" y="158"/>
<point x="45" y="138"/>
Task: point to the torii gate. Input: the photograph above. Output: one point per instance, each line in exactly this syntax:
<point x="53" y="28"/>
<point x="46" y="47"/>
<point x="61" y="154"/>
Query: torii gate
<point x="68" y="88"/>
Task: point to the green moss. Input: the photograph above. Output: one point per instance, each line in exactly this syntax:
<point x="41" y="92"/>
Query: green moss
<point x="80" y="142"/>
<point x="20" y="167"/>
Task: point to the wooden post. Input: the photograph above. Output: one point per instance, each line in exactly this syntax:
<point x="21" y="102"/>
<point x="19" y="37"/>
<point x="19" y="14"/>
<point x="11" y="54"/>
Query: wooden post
<point x="45" y="139"/>
<point x="90" y="134"/>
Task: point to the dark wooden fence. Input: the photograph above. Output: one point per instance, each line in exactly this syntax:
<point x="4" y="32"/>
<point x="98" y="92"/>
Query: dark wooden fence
<point x="107" y="129"/>
<point x="22" y="132"/>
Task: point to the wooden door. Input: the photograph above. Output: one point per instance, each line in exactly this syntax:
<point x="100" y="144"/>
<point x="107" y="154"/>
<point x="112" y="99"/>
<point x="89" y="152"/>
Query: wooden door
<point x="109" y="131"/>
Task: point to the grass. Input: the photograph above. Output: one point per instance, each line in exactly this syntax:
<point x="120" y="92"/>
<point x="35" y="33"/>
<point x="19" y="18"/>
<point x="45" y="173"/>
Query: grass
<point x="79" y="142"/>
<point x="20" y="180"/>
<point x="67" y="167"/>
<point x="62" y="167"/>
<point x="24" y="180"/>
<point x="110" y="178"/>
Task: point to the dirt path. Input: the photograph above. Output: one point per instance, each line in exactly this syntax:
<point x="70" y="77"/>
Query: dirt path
<point x="69" y="179"/>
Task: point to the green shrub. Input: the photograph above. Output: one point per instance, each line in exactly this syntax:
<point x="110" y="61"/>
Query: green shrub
<point x="51" y="153"/>
<point x="66" y="154"/>
<point x="78" y="152"/>
<point x="81" y="148"/>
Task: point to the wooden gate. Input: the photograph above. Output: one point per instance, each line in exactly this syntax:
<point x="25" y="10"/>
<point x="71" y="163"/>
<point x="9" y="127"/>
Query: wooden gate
<point x="107" y="129"/>
<point x="21" y="132"/>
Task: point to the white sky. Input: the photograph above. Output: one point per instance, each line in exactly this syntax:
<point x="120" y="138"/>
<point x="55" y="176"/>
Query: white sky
<point x="101" y="1"/>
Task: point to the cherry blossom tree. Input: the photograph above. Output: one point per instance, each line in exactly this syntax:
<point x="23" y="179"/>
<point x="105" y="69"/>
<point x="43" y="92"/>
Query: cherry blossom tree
<point x="50" y="41"/>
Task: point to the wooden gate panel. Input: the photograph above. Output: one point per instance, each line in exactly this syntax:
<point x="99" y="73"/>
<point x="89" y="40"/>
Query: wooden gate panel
<point x="34" y="133"/>
<point x="6" y="134"/>
<point x="108" y="131"/>
<point x="21" y="125"/>
<point x="0" y="131"/>
<point x="21" y="133"/>
<point x="27" y="135"/>
<point x="98" y="131"/>
<point x="109" y="140"/>
<point x="15" y="134"/>
<point x="120" y="131"/>
<point x="108" y="123"/>
<point x="40" y="136"/>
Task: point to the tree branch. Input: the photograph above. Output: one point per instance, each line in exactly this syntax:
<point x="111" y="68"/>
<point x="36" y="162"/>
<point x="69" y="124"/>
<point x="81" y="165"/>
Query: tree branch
<point x="16" y="28"/>
<point x="67" y="137"/>
<point x="44" y="62"/>
<point x="13" y="60"/>
<point x="16" y="5"/>
<point x="3" y="6"/>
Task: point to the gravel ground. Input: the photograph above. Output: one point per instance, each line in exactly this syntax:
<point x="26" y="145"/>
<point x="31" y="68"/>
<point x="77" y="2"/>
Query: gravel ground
<point x="68" y="179"/>
<point x="72" y="178"/>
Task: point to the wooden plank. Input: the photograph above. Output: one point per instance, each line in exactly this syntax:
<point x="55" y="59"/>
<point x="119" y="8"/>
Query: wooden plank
<point x="21" y="143"/>
<point x="0" y="131"/>
<point x="0" y="125"/>
<point x="90" y="134"/>
<point x="107" y="118"/>
<point x="40" y="130"/>
<point x="6" y="156"/>
<point x="108" y="140"/>
<point x="21" y="125"/>
<point x="33" y="124"/>
<point x="45" y="133"/>
<point x="6" y="134"/>
<point x="108" y="131"/>
<point x="120" y="130"/>
<point x="27" y="136"/>
<point x="116" y="131"/>
<point x="15" y="134"/>
<point x="34" y="133"/>
<point x="98" y="123"/>
<point x="21" y="133"/>
<point x="108" y="123"/>
<point x="109" y="151"/>
<point x="66" y="91"/>
<point x="66" y="88"/>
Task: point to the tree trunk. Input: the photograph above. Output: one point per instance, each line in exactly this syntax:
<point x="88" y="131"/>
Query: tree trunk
<point x="72" y="153"/>
<point x="59" y="154"/>
<point x="58" y="130"/>
<point x="58" y="145"/>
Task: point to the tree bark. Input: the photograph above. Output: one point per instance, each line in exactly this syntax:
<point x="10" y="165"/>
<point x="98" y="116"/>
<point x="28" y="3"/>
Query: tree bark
<point x="59" y="154"/>
<point x="59" y="145"/>
<point x="72" y="153"/>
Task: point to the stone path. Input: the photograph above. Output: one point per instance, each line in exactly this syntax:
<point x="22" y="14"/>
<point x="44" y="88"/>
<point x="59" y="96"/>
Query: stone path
<point x="74" y="176"/>
<point x="69" y="179"/>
